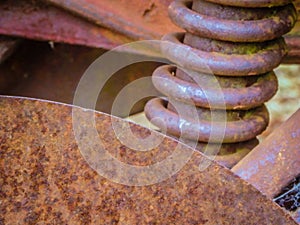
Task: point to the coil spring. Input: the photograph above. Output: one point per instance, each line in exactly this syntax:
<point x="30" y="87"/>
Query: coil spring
<point x="241" y="43"/>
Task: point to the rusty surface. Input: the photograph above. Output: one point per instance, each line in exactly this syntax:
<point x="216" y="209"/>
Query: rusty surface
<point x="35" y="20"/>
<point x="274" y="163"/>
<point x="233" y="30"/>
<point x="293" y="56"/>
<point x="137" y="19"/>
<point x="252" y="3"/>
<point x="243" y="129"/>
<point x="224" y="60"/>
<point x="23" y="18"/>
<point x="46" y="180"/>
<point x="221" y="63"/>
<point x="293" y="41"/>
<point x="238" y="93"/>
<point x="224" y="12"/>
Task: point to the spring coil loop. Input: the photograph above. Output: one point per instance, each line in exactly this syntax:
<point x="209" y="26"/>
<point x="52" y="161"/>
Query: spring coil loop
<point x="240" y="42"/>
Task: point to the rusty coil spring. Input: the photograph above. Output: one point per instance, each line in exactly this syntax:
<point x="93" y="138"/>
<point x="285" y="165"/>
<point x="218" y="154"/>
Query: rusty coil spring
<point x="241" y="43"/>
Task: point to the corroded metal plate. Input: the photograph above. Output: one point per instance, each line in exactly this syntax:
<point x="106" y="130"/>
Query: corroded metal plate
<point x="45" y="179"/>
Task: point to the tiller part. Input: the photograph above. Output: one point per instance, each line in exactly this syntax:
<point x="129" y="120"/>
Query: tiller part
<point x="51" y="172"/>
<point x="275" y="161"/>
<point x="273" y="164"/>
<point x="238" y="43"/>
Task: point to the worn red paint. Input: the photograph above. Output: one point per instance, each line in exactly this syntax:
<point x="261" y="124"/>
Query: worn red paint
<point x="42" y="22"/>
<point x="138" y="19"/>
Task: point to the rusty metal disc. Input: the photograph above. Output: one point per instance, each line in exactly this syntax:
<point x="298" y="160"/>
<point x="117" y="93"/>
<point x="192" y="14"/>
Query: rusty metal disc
<point x="233" y="30"/>
<point x="45" y="179"/>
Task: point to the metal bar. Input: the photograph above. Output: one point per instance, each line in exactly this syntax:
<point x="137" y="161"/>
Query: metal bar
<point x="139" y="19"/>
<point x="275" y="162"/>
<point x="33" y="20"/>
